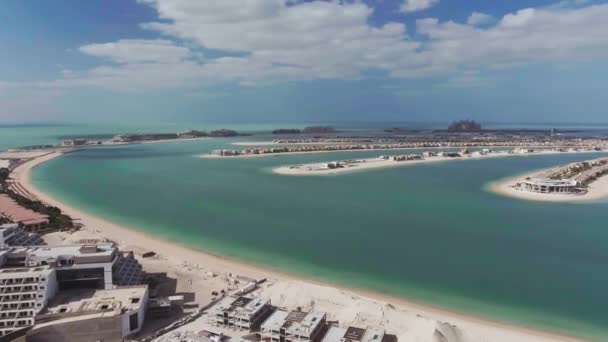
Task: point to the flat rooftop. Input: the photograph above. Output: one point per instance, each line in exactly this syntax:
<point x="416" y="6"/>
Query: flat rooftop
<point x="243" y="306"/>
<point x="354" y="334"/>
<point x="46" y="252"/>
<point x="276" y="320"/>
<point x="294" y="322"/>
<point x="86" y="301"/>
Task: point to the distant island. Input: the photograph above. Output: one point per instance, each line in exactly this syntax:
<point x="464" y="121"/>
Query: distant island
<point x="287" y="131"/>
<point x="306" y="130"/>
<point x="318" y="129"/>
<point x="464" y="126"/>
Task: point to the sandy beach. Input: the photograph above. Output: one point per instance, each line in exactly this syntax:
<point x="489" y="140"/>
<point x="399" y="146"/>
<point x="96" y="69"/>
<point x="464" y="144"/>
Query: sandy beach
<point x="321" y="169"/>
<point x="196" y="272"/>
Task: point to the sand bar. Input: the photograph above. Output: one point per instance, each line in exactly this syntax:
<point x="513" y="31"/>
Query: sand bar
<point x="321" y="169"/>
<point x="410" y="321"/>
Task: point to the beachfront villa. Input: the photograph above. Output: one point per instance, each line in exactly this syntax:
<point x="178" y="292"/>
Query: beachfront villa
<point x="244" y="313"/>
<point x="550" y="186"/>
<point x="294" y="326"/>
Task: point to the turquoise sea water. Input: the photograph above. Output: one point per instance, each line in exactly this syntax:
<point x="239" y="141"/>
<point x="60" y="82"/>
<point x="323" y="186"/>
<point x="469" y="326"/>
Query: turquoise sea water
<point x="426" y="232"/>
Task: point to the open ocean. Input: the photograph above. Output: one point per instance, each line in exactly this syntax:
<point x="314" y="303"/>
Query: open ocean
<point x="429" y="232"/>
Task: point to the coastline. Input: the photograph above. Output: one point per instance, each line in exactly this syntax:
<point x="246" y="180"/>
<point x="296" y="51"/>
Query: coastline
<point x="175" y="256"/>
<point x="320" y="169"/>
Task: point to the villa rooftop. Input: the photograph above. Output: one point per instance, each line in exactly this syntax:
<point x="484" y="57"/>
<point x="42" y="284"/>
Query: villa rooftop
<point x="354" y="334"/>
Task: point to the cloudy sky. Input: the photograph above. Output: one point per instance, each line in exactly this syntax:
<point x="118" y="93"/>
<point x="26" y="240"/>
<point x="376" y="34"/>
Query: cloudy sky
<point x="295" y="60"/>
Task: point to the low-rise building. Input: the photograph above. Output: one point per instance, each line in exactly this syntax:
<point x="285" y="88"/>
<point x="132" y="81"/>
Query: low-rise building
<point x="29" y="219"/>
<point x="548" y="186"/>
<point x="283" y="326"/>
<point x="243" y="313"/>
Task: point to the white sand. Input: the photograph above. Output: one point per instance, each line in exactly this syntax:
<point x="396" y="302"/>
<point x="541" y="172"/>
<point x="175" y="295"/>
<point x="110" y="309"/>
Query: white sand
<point x="596" y="191"/>
<point x="409" y="321"/>
<point x="321" y="169"/>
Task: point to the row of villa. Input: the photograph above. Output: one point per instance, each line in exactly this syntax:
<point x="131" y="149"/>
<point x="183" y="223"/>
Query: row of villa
<point x="523" y="148"/>
<point x="257" y="315"/>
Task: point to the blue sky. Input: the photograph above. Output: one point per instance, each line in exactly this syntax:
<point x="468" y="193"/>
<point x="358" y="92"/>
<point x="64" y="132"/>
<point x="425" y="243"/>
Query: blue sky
<point x="288" y="60"/>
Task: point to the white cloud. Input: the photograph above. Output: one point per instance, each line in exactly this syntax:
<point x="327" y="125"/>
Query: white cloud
<point x="528" y="35"/>
<point x="478" y="18"/>
<point x="409" y="6"/>
<point x="138" y="51"/>
<point x="270" y="40"/>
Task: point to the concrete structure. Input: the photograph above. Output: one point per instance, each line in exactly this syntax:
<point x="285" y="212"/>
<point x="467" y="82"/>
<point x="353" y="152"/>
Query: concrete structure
<point x="31" y="276"/>
<point x="547" y="185"/>
<point x="98" y="266"/>
<point x="244" y="313"/>
<point x="13" y="235"/>
<point x="27" y="218"/>
<point x="294" y="326"/>
<point x="92" y="315"/>
<point x="353" y="334"/>
<point x="23" y="293"/>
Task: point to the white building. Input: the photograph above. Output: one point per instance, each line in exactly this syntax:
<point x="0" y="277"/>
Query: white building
<point x="283" y="326"/>
<point x="23" y="293"/>
<point x="99" y="266"/>
<point x="353" y="334"/>
<point x="31" y="276"/>
<point x="87" y="315"/>
<point x="244" y="313"/>
<point x="549" y="186"/>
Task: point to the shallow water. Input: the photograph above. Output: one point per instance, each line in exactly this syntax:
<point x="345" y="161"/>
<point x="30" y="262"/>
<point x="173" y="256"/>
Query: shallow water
<point x="427" y="232"/>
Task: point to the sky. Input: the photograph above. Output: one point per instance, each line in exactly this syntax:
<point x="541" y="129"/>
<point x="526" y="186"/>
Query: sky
<point x="303" y="61"/>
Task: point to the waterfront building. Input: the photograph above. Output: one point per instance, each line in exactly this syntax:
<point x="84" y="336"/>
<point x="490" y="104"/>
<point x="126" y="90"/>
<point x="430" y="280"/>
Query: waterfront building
<point x="31" y="276"/>
<point x="354" y="334"/>
<point x="29" y="219"/>
<point x="547" y="185"/>
<point x="110" y="315"/>
<point x="283" y="326"/>
<point x="99" y="266"/>
<point x="244" y="313"/>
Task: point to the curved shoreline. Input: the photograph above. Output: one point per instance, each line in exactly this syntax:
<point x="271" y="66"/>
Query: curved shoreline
<point x="175" y="255"/>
